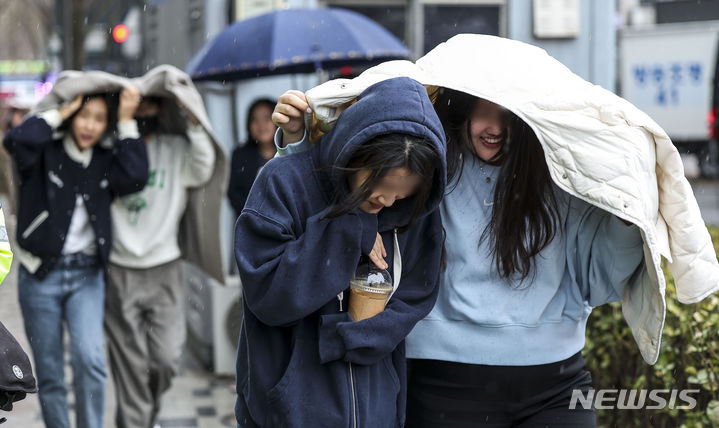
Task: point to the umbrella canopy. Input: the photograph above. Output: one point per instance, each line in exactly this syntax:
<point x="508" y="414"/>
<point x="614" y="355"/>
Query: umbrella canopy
<point x="294" y="41"/>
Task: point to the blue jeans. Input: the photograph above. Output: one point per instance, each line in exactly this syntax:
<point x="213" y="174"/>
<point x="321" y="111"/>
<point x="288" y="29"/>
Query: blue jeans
<point x="72" y="294"/>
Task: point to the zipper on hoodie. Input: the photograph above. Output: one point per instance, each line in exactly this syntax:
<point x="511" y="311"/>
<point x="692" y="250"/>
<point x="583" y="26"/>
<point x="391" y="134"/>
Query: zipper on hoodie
<point x="354" y="396"/>
<point x="341" y="297"/>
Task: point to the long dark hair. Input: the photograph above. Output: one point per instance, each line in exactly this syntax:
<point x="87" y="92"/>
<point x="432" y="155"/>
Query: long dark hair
<point x="111" y="101"/>
<point x="525" y="216"/>
<point x="380" y="155"/>
<point x="170" y="117"/>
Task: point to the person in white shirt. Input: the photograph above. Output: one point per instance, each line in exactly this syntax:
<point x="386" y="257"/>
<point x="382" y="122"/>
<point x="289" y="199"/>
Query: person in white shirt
<point x="144" y="320"/>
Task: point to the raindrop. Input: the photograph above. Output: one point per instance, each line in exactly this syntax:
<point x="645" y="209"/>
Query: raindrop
<point x="144" y="8"/>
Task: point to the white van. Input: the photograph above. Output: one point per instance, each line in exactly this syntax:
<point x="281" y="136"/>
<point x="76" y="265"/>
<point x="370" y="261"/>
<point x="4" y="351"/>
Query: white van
<point x="669" y="72"/>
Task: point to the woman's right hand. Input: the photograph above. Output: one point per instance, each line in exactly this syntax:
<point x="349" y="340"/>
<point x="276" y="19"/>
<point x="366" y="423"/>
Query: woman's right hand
<point x="378" y="253"/>
<point x="70" y="108"/>
<point x="129" y="101"/>
<point x="289" y="115"/>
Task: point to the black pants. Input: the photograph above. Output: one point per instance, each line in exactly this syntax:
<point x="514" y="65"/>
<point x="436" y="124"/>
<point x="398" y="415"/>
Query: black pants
<point x="454" y="395"/>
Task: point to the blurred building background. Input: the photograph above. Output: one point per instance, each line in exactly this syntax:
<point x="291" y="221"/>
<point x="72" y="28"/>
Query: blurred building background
<point x="45" y="35"/>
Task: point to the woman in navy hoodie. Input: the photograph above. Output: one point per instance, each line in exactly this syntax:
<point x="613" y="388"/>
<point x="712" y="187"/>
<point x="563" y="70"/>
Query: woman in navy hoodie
<point x="64" y="237"/>
<point x="302" y="360"/>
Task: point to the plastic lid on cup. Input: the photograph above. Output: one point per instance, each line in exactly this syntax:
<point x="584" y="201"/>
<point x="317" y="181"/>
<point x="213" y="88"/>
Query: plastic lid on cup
<point x="368" y="275"/>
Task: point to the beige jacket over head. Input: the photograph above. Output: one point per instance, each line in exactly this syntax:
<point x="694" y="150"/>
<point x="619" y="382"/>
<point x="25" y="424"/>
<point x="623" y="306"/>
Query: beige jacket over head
<point x="598" y="147"/>
<point x="200" y="227"/>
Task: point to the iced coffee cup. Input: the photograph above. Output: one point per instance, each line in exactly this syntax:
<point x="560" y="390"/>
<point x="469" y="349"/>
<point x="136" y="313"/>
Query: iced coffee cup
<point x="369" y="291"/>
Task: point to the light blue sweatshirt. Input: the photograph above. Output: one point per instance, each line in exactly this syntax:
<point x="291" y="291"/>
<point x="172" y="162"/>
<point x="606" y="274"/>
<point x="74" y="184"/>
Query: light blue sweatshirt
<point x="480" y="318"/>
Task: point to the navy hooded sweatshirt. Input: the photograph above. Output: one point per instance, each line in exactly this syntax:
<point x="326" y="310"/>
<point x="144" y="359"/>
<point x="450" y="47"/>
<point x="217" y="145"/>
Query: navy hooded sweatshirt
<point x="302" y="361"/>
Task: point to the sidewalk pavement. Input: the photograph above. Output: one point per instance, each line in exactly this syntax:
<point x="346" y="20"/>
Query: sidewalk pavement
<point x="196" y="399"/>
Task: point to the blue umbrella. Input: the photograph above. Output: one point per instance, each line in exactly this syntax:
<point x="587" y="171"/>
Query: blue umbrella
<point x="294" y="41"/>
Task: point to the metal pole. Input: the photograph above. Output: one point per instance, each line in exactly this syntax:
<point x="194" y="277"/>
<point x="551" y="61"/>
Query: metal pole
<point x="66" y="9"/>
<point x="416" y="28"/>
<point x="221" y="106"/>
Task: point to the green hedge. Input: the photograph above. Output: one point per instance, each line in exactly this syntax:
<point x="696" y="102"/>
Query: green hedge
<point x="689" y="359"/>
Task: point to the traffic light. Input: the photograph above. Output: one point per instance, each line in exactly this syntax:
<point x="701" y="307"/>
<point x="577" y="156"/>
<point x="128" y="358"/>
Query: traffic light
<point x="120" y="33"/>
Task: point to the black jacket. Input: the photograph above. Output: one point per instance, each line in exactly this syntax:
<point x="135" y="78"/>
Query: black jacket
<point x="16" y="378"/>
<point x="246" y="162"/>
<point x="49" y="181"/>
